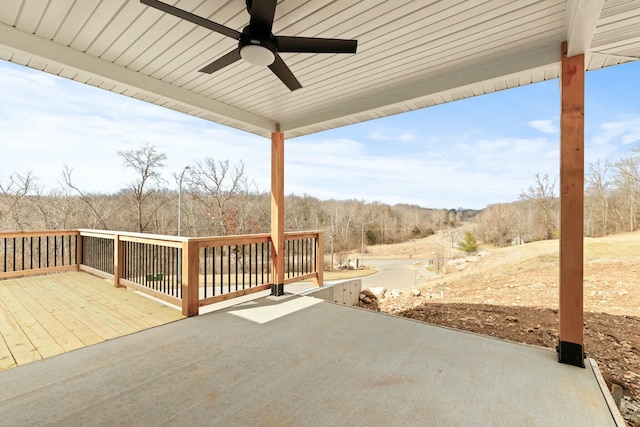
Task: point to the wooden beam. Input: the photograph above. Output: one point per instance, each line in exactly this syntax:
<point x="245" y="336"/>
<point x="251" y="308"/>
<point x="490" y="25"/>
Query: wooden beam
<point x="277" y="213"/>
<point x="581" y="19"/>
<point x="571" y="346"/>
<point x="75" y="60"/>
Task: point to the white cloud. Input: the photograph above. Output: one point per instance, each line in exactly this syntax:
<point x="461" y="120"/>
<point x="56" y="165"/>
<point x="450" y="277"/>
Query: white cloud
<point x="544" y="126"/>
<point x="610" y="139"/>
<point x="385" y="135"/>
<point x="84" y="127"/>
<point x="631" y="138"/>
<point x="623" y="131"/>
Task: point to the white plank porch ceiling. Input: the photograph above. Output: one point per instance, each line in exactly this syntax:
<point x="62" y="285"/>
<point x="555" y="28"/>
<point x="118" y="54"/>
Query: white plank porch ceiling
<point x="411" y="53"/>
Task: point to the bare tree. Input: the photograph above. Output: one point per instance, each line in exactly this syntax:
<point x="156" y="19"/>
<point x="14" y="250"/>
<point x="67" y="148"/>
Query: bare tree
<point x="542" y="196"/>
<point x="55" y="208"/>
<point x="146" y="163"/>
<point x="627" y="179"/>
<point x="15" y="194"/>
<point x="597" y="188"/>
<point x="215" y="185"/>
<point x="98" y="218"/>
<point x="497" y="224"/>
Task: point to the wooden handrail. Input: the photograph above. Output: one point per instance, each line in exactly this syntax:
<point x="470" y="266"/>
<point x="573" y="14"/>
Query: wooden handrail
<point x="292" y="235"/>
<point x="129" y="234"/>
<point x="43" y="233"/>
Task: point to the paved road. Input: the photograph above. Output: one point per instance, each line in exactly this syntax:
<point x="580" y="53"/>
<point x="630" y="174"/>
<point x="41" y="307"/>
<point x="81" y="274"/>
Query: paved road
<point x="396" y="273"/>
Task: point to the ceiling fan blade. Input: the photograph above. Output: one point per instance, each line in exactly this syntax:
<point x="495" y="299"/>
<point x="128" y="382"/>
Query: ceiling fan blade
<point x="262" y="14"/>
<point x="222" y="62"/>
<point x="213" y="26"/>
<point x="315" y="45"/>
<point x="283" y="72"/>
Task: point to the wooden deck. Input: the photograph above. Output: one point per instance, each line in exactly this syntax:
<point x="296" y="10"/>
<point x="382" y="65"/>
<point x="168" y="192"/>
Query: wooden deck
<point x="42" y="316"/>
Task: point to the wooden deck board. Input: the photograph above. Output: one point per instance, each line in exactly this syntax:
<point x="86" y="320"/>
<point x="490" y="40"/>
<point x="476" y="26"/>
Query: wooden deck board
<point x="19" y="344"/>
<point x="50" y="323"/>
<point x="122" y="304"/>
<point x="103" y="330"/>
<point x="24" y="314"/>
<point x="6" y="358"/>
<point x="41" y="316"/>
<point x="84" y="333"/>
<point x="91" y="303"/>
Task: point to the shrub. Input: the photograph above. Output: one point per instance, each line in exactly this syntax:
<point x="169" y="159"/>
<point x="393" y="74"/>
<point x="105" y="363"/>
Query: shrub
<point x="469" y="243"/>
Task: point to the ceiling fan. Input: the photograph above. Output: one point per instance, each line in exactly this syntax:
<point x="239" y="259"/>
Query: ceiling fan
<point x="257" y="44"/>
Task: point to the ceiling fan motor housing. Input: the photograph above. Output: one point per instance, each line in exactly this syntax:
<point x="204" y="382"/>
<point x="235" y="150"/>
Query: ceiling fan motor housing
<point x="257" y="49"/>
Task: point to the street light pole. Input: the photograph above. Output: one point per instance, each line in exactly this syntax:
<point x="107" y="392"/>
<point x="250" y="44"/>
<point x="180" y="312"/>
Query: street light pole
<point x="180" y="198"/>
<point x="362" y="242"/>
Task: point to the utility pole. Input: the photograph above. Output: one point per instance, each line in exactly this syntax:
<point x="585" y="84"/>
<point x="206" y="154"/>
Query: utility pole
<point x="180" y="198"/>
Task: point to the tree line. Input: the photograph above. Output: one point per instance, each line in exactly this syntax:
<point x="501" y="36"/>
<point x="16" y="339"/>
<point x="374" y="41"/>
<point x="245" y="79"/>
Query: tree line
<point x="611" y="205"/>
<point x="217" y="198"/>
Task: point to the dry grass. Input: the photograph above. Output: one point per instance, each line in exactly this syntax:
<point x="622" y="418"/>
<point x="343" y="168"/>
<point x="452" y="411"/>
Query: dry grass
<point x="620" y="246"/>
<point x="348" y="274"/>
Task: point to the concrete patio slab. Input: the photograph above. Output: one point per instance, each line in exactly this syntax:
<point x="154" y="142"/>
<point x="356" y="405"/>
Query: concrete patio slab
<point x="300" y="361"/>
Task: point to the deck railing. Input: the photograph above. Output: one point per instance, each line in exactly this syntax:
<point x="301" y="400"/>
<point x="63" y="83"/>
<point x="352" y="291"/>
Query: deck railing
<point x="233" y="266"/>
<point x="44" y="251"/>
<point x="301" y="256"/>
<point x="188" y="272"/>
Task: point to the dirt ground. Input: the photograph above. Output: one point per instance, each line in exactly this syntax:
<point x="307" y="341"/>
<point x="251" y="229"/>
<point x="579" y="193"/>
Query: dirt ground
<point x="512" y="293"/>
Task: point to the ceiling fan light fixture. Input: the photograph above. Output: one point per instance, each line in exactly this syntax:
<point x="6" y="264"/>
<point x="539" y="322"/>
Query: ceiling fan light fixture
<point x="257" y="54"/>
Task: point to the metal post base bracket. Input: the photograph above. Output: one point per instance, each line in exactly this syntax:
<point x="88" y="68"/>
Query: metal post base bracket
<point x="277" y="290"/>
<point x="570" y="353"/>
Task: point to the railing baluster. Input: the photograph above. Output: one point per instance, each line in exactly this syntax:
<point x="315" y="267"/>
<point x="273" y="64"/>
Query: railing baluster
<point x="244" y="271"/>
<point x="213" y="271"/>
<point x="172" y="255"/>
<point x="205" y="271"/>
<point x="315" y="252"/>
<point x="235" y="251"/>
<point x="262" y="264"/>
<point x="221" y="270"/>
<point x="229" y="268"/>
<point x="303" y="257"/>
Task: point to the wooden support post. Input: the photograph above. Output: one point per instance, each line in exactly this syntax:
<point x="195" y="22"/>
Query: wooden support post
<point x="571" y="345"/>
<point x="117" y="261"/>
<point x="190" y="276"/>
<point x="319" y="279"/>
<point x="277" y="213"/>
<point x="79" y="251"/>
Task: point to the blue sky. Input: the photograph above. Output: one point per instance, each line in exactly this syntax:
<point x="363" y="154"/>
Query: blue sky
<point x="469" y="153"/>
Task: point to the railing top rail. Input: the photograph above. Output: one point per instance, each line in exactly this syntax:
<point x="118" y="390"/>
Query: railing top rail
<point x="148" y="238"/>
<point x="244" y="239"/>
<point x="290" y="235"/>
<point x="37" y="233"/>
<point x="162" y="237"/>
